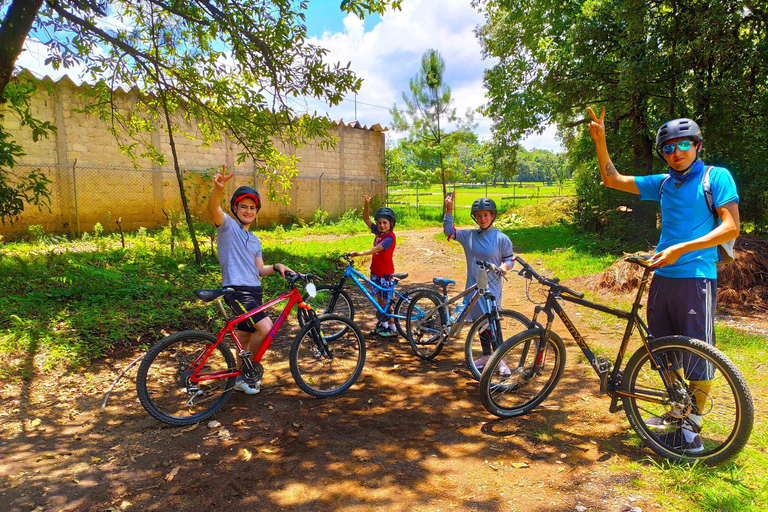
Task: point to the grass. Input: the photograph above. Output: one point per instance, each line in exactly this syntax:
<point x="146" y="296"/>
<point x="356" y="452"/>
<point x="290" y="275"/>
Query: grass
<point x="67" y="303"/>
<point x="465" y="194"/>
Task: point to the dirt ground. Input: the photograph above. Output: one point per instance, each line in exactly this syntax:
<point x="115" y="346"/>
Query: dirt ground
<point x="410" y="435"/>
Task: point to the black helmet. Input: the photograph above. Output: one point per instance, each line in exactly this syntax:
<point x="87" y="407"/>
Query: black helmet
<point x="483" y="204"/>
<point x="386" y="213"/>
<point x="244" y="193"/>
<point x="675" y="129"/>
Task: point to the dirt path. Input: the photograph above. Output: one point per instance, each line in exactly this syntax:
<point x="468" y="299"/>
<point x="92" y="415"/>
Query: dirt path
<point x="410" y="435"/>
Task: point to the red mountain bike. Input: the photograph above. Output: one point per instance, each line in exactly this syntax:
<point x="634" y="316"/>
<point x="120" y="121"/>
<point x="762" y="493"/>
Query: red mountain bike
<point x="186" y="377"/>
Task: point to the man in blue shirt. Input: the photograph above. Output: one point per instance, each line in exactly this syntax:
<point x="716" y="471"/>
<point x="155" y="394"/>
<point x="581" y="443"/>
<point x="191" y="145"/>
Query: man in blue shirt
<point x="683" y="293"/>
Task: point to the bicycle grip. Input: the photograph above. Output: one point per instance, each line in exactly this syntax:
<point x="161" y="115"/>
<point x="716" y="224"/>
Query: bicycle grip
<point x="567" y="290"/>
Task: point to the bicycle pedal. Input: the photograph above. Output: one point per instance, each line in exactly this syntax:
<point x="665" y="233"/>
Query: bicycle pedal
<point x="602" y="365"/>
<point x="603" y="368"/>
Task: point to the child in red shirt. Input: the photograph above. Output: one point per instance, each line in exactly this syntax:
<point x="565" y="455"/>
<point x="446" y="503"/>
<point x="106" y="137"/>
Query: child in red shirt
<point x="382" y="266"/>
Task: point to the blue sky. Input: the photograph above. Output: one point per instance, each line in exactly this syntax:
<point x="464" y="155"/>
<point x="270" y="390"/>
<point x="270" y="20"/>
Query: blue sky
<point x="385" y="51"/>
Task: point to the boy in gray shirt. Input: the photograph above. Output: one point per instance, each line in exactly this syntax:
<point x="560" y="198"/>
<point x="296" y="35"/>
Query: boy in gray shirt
<point x="242" y="264"/>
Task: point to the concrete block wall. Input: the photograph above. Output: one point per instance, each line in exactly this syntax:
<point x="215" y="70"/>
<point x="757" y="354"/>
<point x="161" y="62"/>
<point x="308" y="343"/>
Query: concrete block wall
<point x="93" y="181"/>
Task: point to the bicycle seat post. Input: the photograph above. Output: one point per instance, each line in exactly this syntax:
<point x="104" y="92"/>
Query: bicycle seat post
<point x="221" y="308"/>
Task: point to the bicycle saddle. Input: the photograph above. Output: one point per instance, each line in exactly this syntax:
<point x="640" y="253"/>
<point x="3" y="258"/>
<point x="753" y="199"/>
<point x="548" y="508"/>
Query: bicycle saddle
<point x="441" y="281"/>
<point x="397" y="276"/>
<point x="209" y="295"/>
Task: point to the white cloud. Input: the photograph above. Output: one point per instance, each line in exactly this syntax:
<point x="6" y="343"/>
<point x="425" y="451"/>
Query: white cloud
<point x="389" y="54"/>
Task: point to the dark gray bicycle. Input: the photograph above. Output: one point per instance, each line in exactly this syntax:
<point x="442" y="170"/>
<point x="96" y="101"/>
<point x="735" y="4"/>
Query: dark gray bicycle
<point x="430" y="324"/>
<point x="685" y="399"/>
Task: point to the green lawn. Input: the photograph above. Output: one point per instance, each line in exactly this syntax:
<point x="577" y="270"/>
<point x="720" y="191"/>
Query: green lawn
<point x="66" y="304"/>
<point x="513" y="194"/>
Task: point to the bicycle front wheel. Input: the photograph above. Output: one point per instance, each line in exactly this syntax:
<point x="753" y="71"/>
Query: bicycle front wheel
<point x="401" y="308"/>
<point x="510" y="323"/>
<point x="704" y="413"/>
<point x="521" y="373"/>
<point x="330" y="302"/>
<point x="164" y="384"/>
<point x="424" y="324"/>
<point x="322" y="366"/>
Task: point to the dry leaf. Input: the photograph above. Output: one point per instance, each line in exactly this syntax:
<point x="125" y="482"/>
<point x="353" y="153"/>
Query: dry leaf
<point x="267" y="450"/>
<point x="172" y="474"/>
<point x="213" y="424"/>
<point x="370" y="400"/>
<point x="519" y="465"/>
<point x="95" y="459"/>
<point x="296" y="425"/>
<point x="247" y="455"/>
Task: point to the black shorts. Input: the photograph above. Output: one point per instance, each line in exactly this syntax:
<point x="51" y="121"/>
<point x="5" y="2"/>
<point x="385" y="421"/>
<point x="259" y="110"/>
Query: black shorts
<point x="246" y="298"/>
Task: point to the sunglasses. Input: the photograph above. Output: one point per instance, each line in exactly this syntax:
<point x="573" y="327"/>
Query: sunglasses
<point x="683" y="145"/>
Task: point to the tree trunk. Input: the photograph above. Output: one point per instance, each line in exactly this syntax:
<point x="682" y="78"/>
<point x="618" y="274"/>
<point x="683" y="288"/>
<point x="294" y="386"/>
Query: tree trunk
<point x="180" y="179"/>
<point x="13" y="32"/>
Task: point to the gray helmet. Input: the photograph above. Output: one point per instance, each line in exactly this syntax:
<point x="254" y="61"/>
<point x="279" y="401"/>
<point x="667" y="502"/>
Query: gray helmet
<point x="241" y="193"/>
<point x="386" y="213"/>
<point x="483" y="204"/>
<point x="675" y="129"/>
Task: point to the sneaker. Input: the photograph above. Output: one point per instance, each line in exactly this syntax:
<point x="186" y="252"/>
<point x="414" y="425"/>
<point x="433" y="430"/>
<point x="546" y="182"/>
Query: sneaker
<point x="503" y="369"/>
<point x="664" y="423"/>
<point x="241" y="385"/>
<point x="392" y="331"/>
<point x="480" y="363"/>
<point x="677" y="441"/>
<point x="668" y="423"/>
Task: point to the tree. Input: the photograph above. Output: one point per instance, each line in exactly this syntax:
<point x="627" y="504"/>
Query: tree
<point x="646" y="62"/>
<point x="428" y="105"/>
<point x="225" y="65"/>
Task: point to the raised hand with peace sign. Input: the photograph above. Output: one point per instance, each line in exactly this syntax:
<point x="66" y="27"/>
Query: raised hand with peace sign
<point x="611" y="177"/>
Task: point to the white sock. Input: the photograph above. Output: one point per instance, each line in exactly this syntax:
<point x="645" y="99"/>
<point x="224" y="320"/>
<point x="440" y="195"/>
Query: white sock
<point x="385" y="324"/>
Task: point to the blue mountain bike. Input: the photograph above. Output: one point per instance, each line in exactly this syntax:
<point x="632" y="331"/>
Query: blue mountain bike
<point x="333" y="298"/>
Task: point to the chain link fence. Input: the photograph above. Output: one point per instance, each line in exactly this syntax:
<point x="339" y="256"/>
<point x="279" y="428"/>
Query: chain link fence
<point x="414" y="195"/>
<point x="81" y="197"/>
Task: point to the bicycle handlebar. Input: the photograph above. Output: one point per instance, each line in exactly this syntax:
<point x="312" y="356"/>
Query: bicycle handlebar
<point x="528" y="273"/>
<point x="292" y="277"/>
<point x="490" y="267"/>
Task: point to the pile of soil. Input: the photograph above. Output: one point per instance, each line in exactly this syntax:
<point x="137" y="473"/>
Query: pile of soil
<point x="742" y="284"/>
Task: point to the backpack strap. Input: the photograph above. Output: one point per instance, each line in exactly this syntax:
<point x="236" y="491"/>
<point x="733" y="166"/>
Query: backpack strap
<point x="708" y="192"/>
<point x="661" y="187"/>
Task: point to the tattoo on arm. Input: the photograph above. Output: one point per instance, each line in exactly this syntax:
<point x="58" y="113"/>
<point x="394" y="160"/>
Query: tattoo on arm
<point x="610" y="170"/>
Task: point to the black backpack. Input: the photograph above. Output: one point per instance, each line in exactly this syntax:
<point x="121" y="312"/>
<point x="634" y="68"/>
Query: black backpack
<point x="724" y="250"/>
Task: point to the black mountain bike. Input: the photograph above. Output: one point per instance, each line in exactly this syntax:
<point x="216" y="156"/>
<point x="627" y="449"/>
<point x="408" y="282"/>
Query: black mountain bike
<point x="685" y="399"/>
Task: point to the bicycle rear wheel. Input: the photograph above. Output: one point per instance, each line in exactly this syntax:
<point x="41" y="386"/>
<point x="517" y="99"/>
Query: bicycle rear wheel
<point x="522" y="373"/>
<point x="328" y="302"/>
<point x="706" y="413"/>
<point x="401" y="308"/>
<point x="163" y="380"/>
<point x="322" y="366"/>
<point x="510" y="323"/>
<point x="424" y="324"/>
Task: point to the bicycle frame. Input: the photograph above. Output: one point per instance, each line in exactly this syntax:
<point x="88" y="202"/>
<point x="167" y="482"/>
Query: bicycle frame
<point x="293" y="296"/>
<point x="455" y="326"/>
<point x="356" y="278"/>
<point x="609" y="383"/>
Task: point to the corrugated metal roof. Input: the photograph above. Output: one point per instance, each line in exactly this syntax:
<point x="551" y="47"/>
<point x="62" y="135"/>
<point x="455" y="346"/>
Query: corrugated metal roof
<point x="26" y="73"/>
